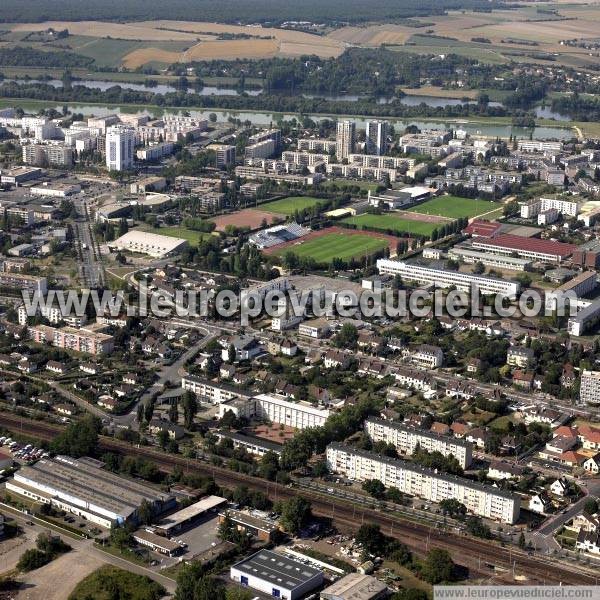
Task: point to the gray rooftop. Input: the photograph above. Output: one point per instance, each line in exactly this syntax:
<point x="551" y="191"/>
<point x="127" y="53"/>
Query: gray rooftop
<point x="277" y="569"/>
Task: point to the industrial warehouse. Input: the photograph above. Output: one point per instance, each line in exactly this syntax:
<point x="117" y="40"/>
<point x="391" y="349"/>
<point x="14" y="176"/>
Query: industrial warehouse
<point x="82" y="487"/>
<point x="276" y="575"/>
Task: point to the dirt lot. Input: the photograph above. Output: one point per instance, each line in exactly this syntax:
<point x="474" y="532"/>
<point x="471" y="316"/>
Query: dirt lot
<point x="412" y="216"/>
<point x="249" y="217"/>
<point x="57" y="579"/>
<point x="275" y="433"/>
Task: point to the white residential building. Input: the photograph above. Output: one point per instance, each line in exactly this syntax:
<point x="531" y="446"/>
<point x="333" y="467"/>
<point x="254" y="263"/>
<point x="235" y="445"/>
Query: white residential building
<point x="406" y="439"/>
<point x="376" y="137"/>
<point x="409" y="478"/>
<point x="120" y="144"/>
<point x="277" y="409"/>
<point x="346" y="135"/>
<point x="589" y="390"/>
<point x="430" y="357"/>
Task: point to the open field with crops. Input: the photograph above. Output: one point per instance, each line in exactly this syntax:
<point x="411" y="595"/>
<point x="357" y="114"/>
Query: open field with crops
<point x="133" y="45"/>
<point x="454" y="207"/>
<point x="287" y="206"/>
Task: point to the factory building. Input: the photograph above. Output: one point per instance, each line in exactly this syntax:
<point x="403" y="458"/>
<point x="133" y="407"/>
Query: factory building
<point x="82" y="487"/>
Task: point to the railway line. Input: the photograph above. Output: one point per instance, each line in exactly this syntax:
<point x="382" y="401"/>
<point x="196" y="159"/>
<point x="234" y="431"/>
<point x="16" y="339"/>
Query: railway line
<point x="417" y="536"/>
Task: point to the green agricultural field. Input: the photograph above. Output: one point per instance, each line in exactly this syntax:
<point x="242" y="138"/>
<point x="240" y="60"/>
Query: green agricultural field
<point x="454" y="207"/>
<point x="390" y="222"/>
<point x="287" y="206"/>
<point x="110" y="52"/>
<point x="325" y="248"/>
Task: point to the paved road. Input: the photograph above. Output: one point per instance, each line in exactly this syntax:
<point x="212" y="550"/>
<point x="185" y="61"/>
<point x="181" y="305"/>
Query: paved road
<point x="91" y="269"/>
<point x="87" y="546"/>
<point x="170" y="372"/>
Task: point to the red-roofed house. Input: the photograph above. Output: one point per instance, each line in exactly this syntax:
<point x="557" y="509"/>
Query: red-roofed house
<point x="440" y="428"/>
<point x="589" y="437"/>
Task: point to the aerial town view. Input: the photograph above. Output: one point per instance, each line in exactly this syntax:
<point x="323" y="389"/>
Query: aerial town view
<point x="299" y="300"/>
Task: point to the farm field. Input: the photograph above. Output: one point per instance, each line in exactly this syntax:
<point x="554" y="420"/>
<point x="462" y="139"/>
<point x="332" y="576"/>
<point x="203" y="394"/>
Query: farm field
<point x="133" y="45"/>
<point x="287" y="206"/>
<point x="454" y="207"/>
<point x="390" y="222"/>
<point x="328" y="246"/>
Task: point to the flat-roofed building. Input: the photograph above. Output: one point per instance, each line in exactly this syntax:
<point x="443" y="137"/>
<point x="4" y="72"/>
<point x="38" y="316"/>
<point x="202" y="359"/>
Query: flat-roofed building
<point x="444" y="278"/>
<point x="22" y="281"/>
<point x="187" y="516"/>
<point x="211" y="391"/>
<point x="355" y="586"/>
<point x="532" y="248"/>
<point x="152" y="244"/>
<point x="496" y="261"/>
<point x="276" y="575"/>
<point x="157" y="543"/>
<point x="82" y="487"/>
<point x="259" y="526"/>
<point x="56" y="189"/>
<point x="407" y="439"/>
<point x="582" y="284"/>
<point x="589" y="389"/>
<point x="278" y="409"/>
<point x="410" y="478"/>
<point x="250" y="443"/>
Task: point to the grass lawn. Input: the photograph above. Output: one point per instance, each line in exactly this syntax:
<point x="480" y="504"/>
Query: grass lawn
<point x="192" y="236"/>
<point x="287" y="206"/>
<point x="390" y="222"/>
<point x="336" y="245"/>
<point x="454" y="207"/>
<point x="102" y="583"/>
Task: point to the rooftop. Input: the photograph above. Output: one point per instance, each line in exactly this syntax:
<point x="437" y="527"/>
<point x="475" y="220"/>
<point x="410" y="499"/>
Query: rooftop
<point x="277" y="569"/>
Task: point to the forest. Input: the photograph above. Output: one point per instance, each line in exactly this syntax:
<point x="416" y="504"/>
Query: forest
<point x="234" y="11"/>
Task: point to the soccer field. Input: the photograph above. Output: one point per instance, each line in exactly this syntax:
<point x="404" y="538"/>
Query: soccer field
<point x="192" y="236"/>
<point x="287" y="206"/>
<point x="390" y="222"/>
<point x="325" y="248"/>
<point x="454" y="207"/>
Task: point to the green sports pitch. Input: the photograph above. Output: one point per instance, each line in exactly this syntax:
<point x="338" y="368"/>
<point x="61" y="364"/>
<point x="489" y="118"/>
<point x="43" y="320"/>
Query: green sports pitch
<point x="325" y="248"/>
<point x="390" y="222"/>
<point x="454" y="207"/>
<point x="287" y="206"/>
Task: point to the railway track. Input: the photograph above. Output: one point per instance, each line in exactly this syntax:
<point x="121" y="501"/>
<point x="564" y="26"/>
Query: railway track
<point x="417" y="536"/>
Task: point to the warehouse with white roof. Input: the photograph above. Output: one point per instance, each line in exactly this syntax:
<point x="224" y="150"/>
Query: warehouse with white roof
<point x="152" y="244"/>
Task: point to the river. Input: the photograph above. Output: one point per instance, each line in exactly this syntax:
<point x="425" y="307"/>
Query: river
<point x="560" y="131"/>
<point x="160" y="88"/>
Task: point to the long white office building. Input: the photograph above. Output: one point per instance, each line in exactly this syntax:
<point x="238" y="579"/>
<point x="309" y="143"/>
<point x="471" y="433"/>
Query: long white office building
<point x="443" y="278"/>
<point x="412" y="479"/>
<point x="406" y="439"/>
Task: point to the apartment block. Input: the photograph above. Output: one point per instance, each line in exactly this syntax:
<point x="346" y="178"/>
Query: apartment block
<point x="482" y="500"/>
<point x="589" y="390"/>
<point x="406" y="439"/>
<point x="224" y="156"/>
<point x="346" y="136"/>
